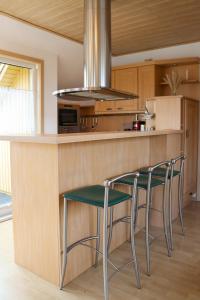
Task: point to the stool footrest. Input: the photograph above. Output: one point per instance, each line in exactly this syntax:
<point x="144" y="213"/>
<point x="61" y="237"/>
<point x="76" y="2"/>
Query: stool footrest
<point x="81" y="241"/>
<point x="120" y="268"/>
<point x="84" y="240"/>
<point x="125" y="219"/>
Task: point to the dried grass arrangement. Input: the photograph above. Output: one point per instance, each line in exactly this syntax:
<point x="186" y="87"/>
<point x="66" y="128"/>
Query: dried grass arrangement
<point x="173" y="80"/>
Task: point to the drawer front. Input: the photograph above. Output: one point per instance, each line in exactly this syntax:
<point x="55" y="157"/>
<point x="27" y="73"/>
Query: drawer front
<point x="105" y="106"/>
<point x="126" y="105"/>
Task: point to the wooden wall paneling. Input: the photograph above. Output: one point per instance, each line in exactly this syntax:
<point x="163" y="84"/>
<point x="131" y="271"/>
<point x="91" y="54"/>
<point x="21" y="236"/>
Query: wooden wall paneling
<point x="35" y="194"/>
<point x="114" y="123"/>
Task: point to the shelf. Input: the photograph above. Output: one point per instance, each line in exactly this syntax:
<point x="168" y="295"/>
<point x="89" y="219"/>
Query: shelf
<point x="183" y="82"/>
<point x="190" y="81"/>
<point x="104" y="114"/>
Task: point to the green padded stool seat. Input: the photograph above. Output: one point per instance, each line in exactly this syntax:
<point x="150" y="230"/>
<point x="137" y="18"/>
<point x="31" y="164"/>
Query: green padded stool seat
<point x="94" y="195"/>
<point x="142" y="181"/>
<point x="159" y="172"/>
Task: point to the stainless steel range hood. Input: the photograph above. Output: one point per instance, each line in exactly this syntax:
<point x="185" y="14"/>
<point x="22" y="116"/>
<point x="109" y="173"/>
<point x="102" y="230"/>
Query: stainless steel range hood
<point x="97" y="57"/>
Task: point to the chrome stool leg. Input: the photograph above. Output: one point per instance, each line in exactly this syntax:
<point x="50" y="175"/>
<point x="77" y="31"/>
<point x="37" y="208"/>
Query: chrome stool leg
<point x="136" y="210"/>
<point x="64" y="263"/>
<point x="134" y="205"/>
<point x="180" y="202"/>
<point x="165" y="220"/>
<point x="105" y="245"/>
<point x="170" y="208"/>
<point x="147" y="215"/>
<point x="110" y="228"/>
<point x="98" y="235"/>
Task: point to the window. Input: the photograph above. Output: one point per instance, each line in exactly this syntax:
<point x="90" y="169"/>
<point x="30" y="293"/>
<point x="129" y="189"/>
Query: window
<point x="19" y="98"/>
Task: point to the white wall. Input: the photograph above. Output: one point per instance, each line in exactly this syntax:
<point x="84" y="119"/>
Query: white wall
<point x="187" y="50"/>
<point x="63" y="61"/>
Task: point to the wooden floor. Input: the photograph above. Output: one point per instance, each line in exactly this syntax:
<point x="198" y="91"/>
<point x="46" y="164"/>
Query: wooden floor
<point x="175" y="278"/>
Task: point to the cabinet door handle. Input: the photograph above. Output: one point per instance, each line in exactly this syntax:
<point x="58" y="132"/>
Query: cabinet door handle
<point x="120" y="108"/>
<point x="187" y="133"/>
<point x="109" y="108"/>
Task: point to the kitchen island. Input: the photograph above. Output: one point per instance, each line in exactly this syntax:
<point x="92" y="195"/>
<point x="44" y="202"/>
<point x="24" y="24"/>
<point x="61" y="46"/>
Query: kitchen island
<point x="44" y="167"/>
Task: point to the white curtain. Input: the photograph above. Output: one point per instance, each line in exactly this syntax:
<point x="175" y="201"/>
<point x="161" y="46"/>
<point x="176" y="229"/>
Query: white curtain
<point x="17" y="112"/>
<point x="17" y="117"/>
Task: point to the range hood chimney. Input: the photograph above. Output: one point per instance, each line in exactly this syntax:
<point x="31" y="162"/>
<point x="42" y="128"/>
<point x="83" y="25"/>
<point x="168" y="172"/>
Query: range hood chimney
<point x="97" y="57"/>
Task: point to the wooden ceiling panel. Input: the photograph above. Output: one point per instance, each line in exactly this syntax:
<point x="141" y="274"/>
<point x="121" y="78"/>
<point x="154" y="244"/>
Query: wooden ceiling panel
<point x="137" y="25"/>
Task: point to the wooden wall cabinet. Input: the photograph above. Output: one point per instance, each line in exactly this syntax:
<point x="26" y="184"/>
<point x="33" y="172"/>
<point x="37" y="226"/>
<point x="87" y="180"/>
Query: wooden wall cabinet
<point x="146" y="84"/>
<point x="146" y="80"/>
<point x="177" y="112"/>
<point x="140" y="80"/>
<point x="115" y="107"/>
<point x="126" y="80"/>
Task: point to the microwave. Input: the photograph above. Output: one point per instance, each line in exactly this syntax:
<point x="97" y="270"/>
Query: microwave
<point x="68" y="118"/>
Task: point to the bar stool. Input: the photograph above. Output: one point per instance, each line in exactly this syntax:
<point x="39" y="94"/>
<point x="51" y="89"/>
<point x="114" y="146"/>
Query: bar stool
<point x="101" y="197"/>
<point x="160" y="173"/>
<point x="148" y="183"/>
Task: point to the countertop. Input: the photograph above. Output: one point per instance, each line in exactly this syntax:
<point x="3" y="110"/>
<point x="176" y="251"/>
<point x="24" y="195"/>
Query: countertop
<point x="86" y="136"/>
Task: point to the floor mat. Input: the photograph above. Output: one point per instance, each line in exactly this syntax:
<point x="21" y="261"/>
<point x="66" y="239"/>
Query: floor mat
<point x="5" y="207"/>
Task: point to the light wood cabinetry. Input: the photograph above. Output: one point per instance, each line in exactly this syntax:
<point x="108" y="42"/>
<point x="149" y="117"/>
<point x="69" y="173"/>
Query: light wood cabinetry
<point x="146" y="84"/>
<point x="190" y="144"/>
<point x="123" y="80"/>
<point x="177" y="112"/>
<point x="120" y="106"/>
<point x="146" y="80"/>
<point x="140" y="80"/>
<point x="126" y="80"/>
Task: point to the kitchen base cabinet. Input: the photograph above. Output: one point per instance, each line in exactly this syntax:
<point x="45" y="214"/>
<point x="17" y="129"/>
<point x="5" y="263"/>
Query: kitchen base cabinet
<point x="52" y="165"/>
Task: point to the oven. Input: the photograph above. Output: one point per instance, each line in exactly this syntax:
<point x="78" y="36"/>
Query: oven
<point x="68" y="118"/>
